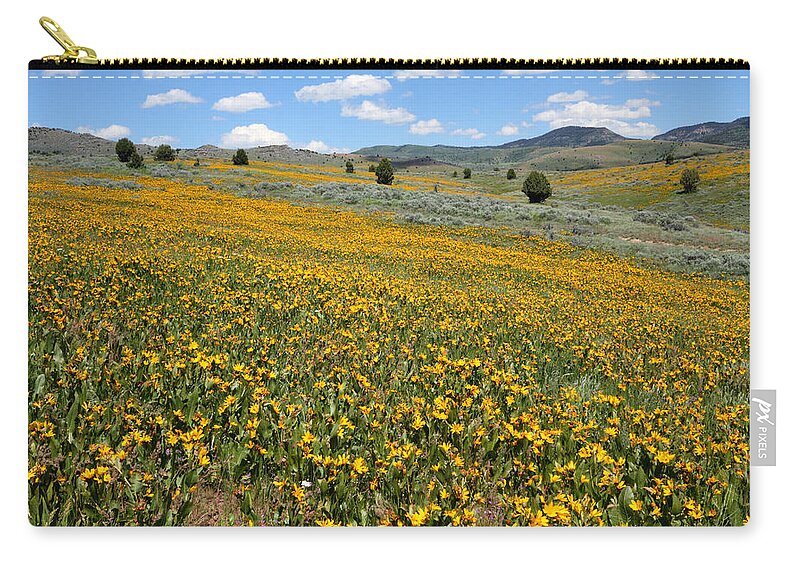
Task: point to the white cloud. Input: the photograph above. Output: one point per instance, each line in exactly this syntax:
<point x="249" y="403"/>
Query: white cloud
<point x="426" y="127"/>
<point x="321" y="147"/>
<point x="614" y="117"/>
<point x="528" y="71"/>
<point x="631" y="75"/>
<point x="342" y="89"/>
<point x="61" y="73"/>
<point x="159" y="73"/>
<point x="565" y="97"/>
<point x="169" y="98"/>
<point x="588" y="110"/>
<point x="642" y="103"/>
<point x="167" y="73"/>
<point x="370" y="111"/>
<point x="242" y="103"/>
<point x="403" y="74"/>
<point x="111" y="132"/>
<point x="508" y="130"/>
<point x="639" y="75"/>
<point x="471" y="133"/>
<point x="159" y="139"/>
<point x="636" y="130"/>
<point x="248" y="136"/>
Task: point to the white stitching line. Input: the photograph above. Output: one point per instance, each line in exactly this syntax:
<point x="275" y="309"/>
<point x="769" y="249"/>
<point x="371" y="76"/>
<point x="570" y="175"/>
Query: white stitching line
<point x="304" y="77"/>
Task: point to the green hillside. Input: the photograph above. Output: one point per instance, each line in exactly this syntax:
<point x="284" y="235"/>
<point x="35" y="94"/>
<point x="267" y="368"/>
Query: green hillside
<point x="622" y="153"/>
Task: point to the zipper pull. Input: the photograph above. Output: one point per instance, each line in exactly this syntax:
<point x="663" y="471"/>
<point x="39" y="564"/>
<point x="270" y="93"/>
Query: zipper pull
<point x="72" y="53"/>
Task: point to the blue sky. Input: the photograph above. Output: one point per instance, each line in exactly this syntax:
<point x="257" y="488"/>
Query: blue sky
<point x="338" y="110"/>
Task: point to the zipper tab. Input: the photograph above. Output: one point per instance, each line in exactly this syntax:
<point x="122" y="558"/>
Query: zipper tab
<point x="72" y="52"/>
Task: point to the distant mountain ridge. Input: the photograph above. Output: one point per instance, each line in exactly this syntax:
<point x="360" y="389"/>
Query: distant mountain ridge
<point x="735" y="134"/>
<point x="570" y="137"/>
<point x="564" y="137"/>
<point x="565" y="148"/>
<point x="706" y="138"/>
<point x="48" y="140"/>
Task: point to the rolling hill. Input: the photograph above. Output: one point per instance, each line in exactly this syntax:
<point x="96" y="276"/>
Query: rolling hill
<point x="628" y="152"/>
<point x="570" y="137"/>
<point x="735" y="134"/>
<point x="576" y="148"/>
<point x="46" y="140"/>
<point x="623" y="153"/>
<point x="567" y="148"/>
<point x="514" y="152"/>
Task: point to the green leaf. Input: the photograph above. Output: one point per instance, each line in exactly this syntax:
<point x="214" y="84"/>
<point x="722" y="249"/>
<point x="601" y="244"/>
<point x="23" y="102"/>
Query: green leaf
<point x="33" y="510"/>
<point x="192" y="404"/>
<point x="184" y="511"/>
<point x="72" y="415"/>
<point x="615" y="517"/>
<point x="640" y="478"/>
<point x="238" y="455"/>
<point x="677" y="505"/>
<point x="38" y="385"/>
<point x="247" y="503"/>
<point x="58" y="355"/>
<point x="191" y="478"/>
<point x="625" y="497"/>
<point x="580" y="470"/>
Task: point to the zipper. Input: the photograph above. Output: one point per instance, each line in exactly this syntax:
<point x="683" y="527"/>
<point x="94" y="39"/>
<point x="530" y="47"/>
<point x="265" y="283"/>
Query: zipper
<point x="72" y="52"/>
<point x="79" y="57"/>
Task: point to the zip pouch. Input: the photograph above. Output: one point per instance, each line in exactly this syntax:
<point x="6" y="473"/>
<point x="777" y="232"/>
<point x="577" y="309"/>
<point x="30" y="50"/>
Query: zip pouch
<point x="387" y="292"/>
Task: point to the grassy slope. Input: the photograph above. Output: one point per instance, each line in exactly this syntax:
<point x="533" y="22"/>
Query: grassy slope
<point x="189" y="347"/>
<point x="623" y="153"/>
<point x="633" y="211"/>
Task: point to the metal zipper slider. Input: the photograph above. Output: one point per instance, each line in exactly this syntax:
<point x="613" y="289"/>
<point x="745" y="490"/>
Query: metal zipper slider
<point x="72" y="52"/>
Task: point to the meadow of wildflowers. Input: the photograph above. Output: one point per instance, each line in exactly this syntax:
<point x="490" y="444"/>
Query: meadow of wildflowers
<point x="202" y="357"/>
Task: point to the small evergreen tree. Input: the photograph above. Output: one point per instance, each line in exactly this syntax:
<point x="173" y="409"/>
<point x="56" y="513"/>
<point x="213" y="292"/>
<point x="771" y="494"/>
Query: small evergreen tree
<point x="135" y="160"/>
<point x="384" y="172"/>
<point x="165" y="153"/>
<point x="467" y="173"/>
<point x="690" y="180"/>
<point x="348" y="167"/>
<point x="371" y="168"/>
<point x="125" y="149"/>
<point x="240" y="158"/>
<point x="455" y="174"/>
<point x="511" y="175"/>
<point x="536" y="187"/>
<point x="669" y="159"/>
<point x="197" y="162"/>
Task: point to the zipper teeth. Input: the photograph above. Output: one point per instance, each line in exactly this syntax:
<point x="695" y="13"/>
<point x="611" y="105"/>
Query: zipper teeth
<point x="379" y="63"/>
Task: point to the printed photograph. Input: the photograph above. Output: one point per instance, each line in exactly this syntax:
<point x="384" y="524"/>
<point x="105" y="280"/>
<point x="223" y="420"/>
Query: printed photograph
<point x="332" y="297"/>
